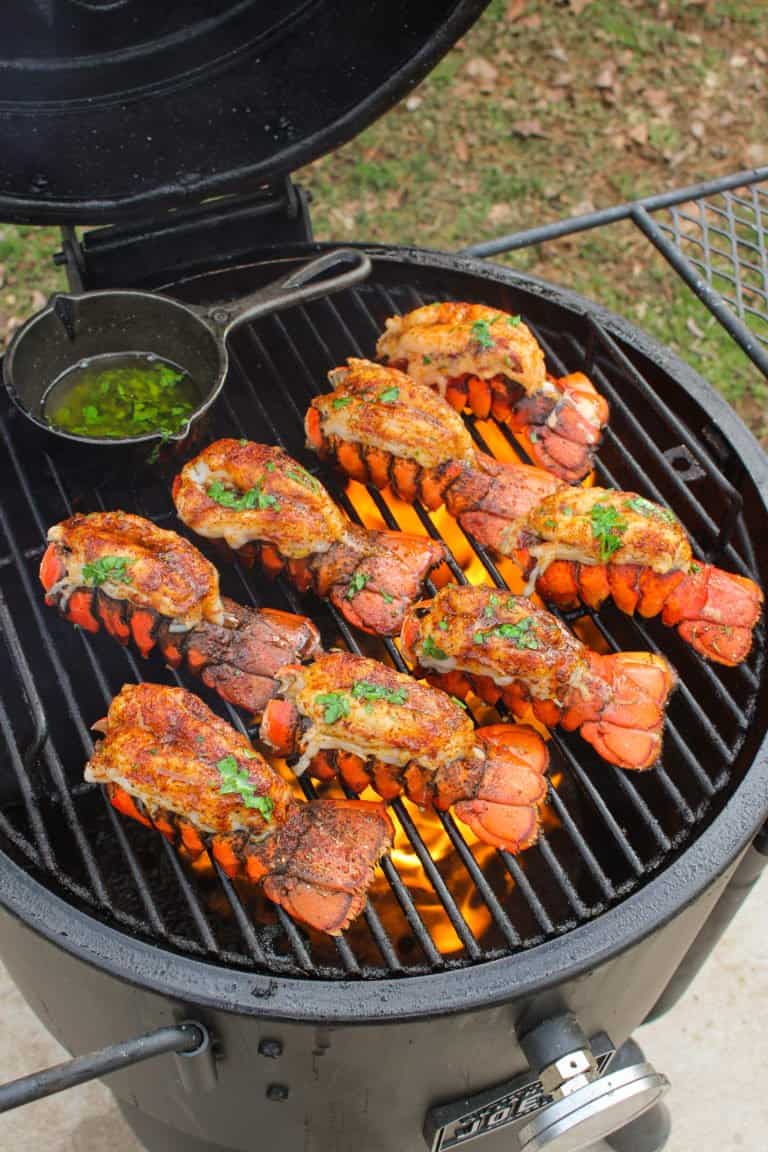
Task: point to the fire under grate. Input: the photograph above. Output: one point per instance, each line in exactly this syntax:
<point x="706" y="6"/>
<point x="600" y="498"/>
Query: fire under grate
<point x="444" y="900"/>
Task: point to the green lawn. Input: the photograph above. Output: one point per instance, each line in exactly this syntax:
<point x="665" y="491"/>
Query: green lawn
<point x="545" y="109"/>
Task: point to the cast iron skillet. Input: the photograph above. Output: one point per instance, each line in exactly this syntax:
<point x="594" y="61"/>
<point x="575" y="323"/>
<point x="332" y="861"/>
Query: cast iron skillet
<point x="73" y="328"/>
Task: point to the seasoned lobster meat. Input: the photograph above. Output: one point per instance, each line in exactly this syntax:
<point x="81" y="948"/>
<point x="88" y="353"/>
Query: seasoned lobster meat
<point x="588" y="544"/>
<point x="145" y="584"/>
<point x="167" y="761"/>
<point x="265" y="506"/>
<point x="490" y="362"/>
<point x="504" y="647"/>
<point x="373" y="726"/>
<point x="383" y="428"/>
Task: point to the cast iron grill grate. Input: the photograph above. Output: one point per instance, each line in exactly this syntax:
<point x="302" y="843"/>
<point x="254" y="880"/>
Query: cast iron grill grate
<point x="443" y="901"/>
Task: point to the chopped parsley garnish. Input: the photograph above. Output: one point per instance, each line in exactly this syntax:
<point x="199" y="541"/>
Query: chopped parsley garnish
<point x="301" y="476"/>
<point x="356" y="584"/>
<point x="335" y="706"/>
<point x="389" y="395"/>
<point x="460" y="703"/>
<point x="341" y="401"/>
<point x="607" y="529"/>
<point x="513" y="321"/>
<point x="490" y="607"/>
<point x="365" y="690"/>
<point x="114" y="568"/>
<point x="695" y="569"/>
<point x="235" y="781"/>
<point x="429" y="648"/>
<point x="520" y="634"/>
<point x="242" y="442"/>
<point x="270" y="465"/>
<point x="482" y="334"/>
<point x="442" y="625"/>
<point x="479" y="638"/>
<point x="533" y="436"/>
<point x="255" y="497"/>
<point x="550" y="524"/>
<point x="647" y="508"/>
<point x="567" y="510"/>
<point x="387" y="598"/>
<point x="426" y="359"/>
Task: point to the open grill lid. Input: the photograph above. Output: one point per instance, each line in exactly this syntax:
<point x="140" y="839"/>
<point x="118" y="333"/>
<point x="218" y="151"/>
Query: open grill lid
<point x="114" y="108"/>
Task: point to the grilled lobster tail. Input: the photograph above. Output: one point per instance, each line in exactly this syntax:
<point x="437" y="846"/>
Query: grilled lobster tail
<point x="169" y="763"/>
<point x="264" y="506"/>
<point x="504" y="647"/>
<point x="489" y="362"/>
<point x="414" y="443"/>
<point x="408" y="739"/>
<point x="152" y="588"/>
<point x="638" y="553"/>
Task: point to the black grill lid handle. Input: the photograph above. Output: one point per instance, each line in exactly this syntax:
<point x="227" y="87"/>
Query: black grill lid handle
<point x="307" y="282"/>
<point x="188" y="1039"/>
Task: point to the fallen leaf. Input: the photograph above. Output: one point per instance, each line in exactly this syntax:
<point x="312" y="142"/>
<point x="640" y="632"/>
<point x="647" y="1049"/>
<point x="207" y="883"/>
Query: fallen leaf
<point x="757" y="155"/>
<point x="761" y="55"/>
<point x="557" y="52"/>
<point x="526" y="128"/>
<point x="461" y="148"/>
<point x="38" y="300"/>
<point x="562" y="80"/>
<point x="606" y="77"/>
<point x="578" y="6"/>
<point x="500" y="213"/>
<point x="693" y="328"/>
<point x="515" y="10"/>
<point x="533" y="21"/>
<point x="697" y="130"/>
<point x="413" y="102"/>
<point x="738" y="61"/>
<point x="482" y="71"/>
<point x="639" y="133"/>
<point x="583" y="207"/>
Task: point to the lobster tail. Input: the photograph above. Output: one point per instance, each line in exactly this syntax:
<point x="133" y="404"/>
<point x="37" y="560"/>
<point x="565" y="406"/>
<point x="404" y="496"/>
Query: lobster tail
<point x="716" y="612"/>
<point x="319" y="864"/>
<point x="562" y="425"/>
<point x="498" y="795"/>
<point x="373" y="577"/>
<point x="623" y="719"/>
<point x="237" y="658"/>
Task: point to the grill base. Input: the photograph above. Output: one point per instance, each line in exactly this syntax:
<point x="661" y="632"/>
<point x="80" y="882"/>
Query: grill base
<point x="368" y="1086"/>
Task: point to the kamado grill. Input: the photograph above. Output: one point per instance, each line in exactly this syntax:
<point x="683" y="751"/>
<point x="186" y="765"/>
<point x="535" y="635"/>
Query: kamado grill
<point x="481" y="996"/>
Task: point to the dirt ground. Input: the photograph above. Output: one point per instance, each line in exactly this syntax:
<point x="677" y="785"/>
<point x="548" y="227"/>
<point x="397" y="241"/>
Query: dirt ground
<point x="546" y="108"/>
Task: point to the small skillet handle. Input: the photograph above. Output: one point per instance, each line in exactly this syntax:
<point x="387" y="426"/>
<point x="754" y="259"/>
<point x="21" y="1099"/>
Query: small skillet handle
<point x="307" y="282"/>
<point x="189" y="1039"/>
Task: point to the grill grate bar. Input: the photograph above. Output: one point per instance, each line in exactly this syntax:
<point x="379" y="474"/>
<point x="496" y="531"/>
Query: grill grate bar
<point x="459" y="924"/>
<point x="52" y="761"/>
<point x="511" y="935"/>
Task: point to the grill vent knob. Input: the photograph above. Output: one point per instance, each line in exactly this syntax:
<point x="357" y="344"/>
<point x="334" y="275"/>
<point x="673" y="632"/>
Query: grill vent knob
<point x="586" y="1107"/>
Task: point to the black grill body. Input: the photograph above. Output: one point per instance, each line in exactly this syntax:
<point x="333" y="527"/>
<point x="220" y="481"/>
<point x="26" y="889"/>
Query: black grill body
<point x="377" y="1028"/>
<point x="366" y="1085"/>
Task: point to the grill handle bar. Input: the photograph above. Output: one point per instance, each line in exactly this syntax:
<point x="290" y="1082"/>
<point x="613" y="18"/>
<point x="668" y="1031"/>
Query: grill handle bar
<point x="188" y="1038"/>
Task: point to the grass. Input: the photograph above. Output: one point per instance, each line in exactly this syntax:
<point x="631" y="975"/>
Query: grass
<point x="535" y="118"/>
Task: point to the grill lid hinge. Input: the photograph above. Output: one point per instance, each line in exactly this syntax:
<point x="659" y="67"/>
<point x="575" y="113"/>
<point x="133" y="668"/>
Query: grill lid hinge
<point x="215" y="234"/>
